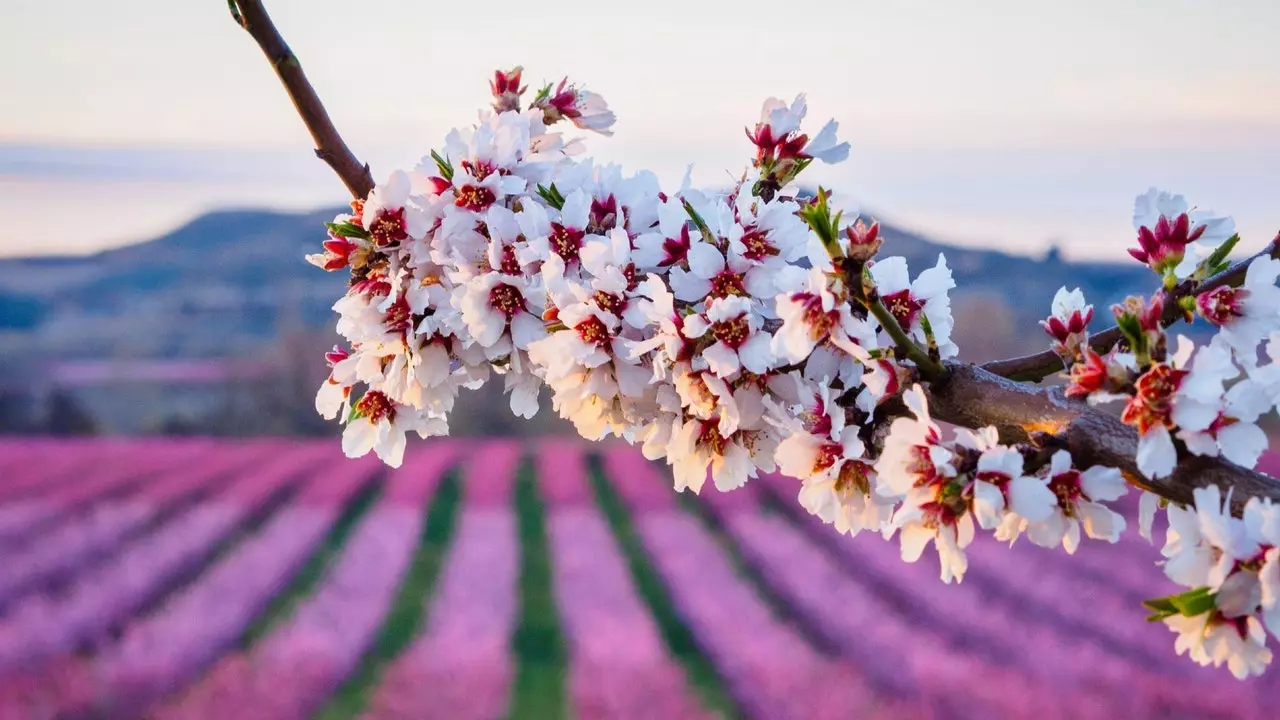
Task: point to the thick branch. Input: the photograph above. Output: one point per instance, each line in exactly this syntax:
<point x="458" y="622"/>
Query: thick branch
<point x="1041" y="365"/>
<point x="252" y="16"/>
<point x="974" y="397"/>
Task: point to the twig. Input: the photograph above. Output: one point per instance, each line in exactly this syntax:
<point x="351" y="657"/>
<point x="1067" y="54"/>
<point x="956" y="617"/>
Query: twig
<point x="930" y="369"/>
<point x="1043" y="364"/>
<point x="252" y="16"/>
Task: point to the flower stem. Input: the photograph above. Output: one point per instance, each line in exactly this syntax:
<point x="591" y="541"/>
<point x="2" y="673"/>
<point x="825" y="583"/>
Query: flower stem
<point x="930" y="369"/>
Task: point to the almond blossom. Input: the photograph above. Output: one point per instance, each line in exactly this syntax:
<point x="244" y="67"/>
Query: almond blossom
<point x="1246" y="315"/>
<point x="830" y="459"/>
<point x="1173" y="238"/>
<point x="1000" y="487"/>
<point x="733" y="448"/>
<point x="739" y="343"/>
<point x="1214" y="421"/>
<point x="1150" y="410"/>
<point x="380" y="425"/>
<point x="1068" y="325"/>
<point x="914" y="302"/>
<point x="1229" y="564"/>
<point x="1079" y="503"/>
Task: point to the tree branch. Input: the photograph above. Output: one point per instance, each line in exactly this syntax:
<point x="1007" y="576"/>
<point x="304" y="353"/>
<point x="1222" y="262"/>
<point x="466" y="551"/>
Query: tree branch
<point x="975" y="397"/>
<point x="252" y="16"/>
<point x="1043" y="364"/>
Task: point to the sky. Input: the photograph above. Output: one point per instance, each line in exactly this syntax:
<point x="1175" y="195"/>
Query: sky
<point x="1000" y="124"/>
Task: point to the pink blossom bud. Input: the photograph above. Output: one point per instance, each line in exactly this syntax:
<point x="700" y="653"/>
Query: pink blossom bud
<point x="506" y="89"/>
<point x="864" y="240"/>
<point x="1220" y="305"/>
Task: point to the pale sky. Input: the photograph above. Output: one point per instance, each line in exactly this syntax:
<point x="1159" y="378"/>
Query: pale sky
<point x="995" y="123"/>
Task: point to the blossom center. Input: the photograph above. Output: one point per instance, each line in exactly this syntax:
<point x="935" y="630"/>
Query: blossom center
<point x="478" y="169"/>
<point x="758" y="246"/>
<point x="398" y="317"/>
<point x="828" y="455"/>
<point x="566" y="241"/>
<point x="593" y="331"/>
<point x="726" y="283"/>
<point x="603" y="215"/>
<point x="854" y="477"/>
<point x="509" y="265"/>
<point x="1068" y="489"/>
<point x="376" y="406"/>
<point x="819" y="321"/>
<point x="474" y="197"/>
<point x="388" y="227"/>
<point x="904" y="307"/>
<point x="1153" y="404"/>
<point x="732" y="332"/>
<point x="1221" y="305"/>
<point x="676" y="250"/>
<point x="506" y="299"/>
<point x="709" y="436"/>
<point x="610" y="303"/>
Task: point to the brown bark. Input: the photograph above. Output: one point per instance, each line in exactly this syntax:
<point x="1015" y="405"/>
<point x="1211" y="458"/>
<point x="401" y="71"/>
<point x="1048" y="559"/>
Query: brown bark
<point x="330" y="147"/>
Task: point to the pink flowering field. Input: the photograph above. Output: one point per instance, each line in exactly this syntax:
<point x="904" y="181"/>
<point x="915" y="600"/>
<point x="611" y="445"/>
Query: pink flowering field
<point x="274" y="579"/>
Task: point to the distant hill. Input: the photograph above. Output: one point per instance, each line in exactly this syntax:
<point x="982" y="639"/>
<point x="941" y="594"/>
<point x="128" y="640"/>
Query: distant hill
<point x="230" y="283"/>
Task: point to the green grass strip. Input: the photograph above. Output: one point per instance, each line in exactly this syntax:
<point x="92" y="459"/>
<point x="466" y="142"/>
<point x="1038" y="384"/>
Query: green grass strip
<point x="304" y="582"/>
<point x="538" y="645"/>
<point x="699" y="670"/>
<point x="753" y="576"/>
<point x="408" y="612"/>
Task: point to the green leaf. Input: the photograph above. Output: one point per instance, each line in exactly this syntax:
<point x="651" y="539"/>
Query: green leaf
<point x="443" y="165"/>
<point x="699" y="223"/>
<point x="1194" y="602"/>
<point x="551" y="195"/>
<point x="1190" y="603"/>
<point x="348" y="229"/>
<point x="1132" y="331"/>
<point x="1217" y="261"/>
<point x="1160" y="605"/>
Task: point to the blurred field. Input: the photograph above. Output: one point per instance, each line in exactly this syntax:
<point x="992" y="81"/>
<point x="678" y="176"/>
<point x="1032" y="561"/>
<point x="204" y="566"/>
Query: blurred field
<point x="273" y="579"/>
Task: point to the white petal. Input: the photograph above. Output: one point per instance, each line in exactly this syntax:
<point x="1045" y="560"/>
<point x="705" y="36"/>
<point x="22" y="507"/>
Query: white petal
<point x="721" y="359"/>
<point x="1157" y="455"/>
<point x="914" y="538"/>
<point x="705" y="261"/>
<point x="1243" y="443"/>
<point x="1031" y="498"/>
<point x="988" y="504"/>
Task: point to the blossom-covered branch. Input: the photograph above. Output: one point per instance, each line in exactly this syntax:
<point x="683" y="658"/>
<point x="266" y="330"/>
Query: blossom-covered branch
<point x="330" y="147"/>
<point x="756" y="328"/>
<point x="1040" y="365"/>
<point x="972" y="396"/>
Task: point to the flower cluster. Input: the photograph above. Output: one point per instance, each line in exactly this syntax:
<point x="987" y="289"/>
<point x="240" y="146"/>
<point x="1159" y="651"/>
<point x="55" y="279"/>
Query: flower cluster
<point x="1208" y="398"/>
<point x="947" y="489"/>
<point x="1232" y="565"/>
<point x="695" y="323"/>
<point x="754" y="328"/>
